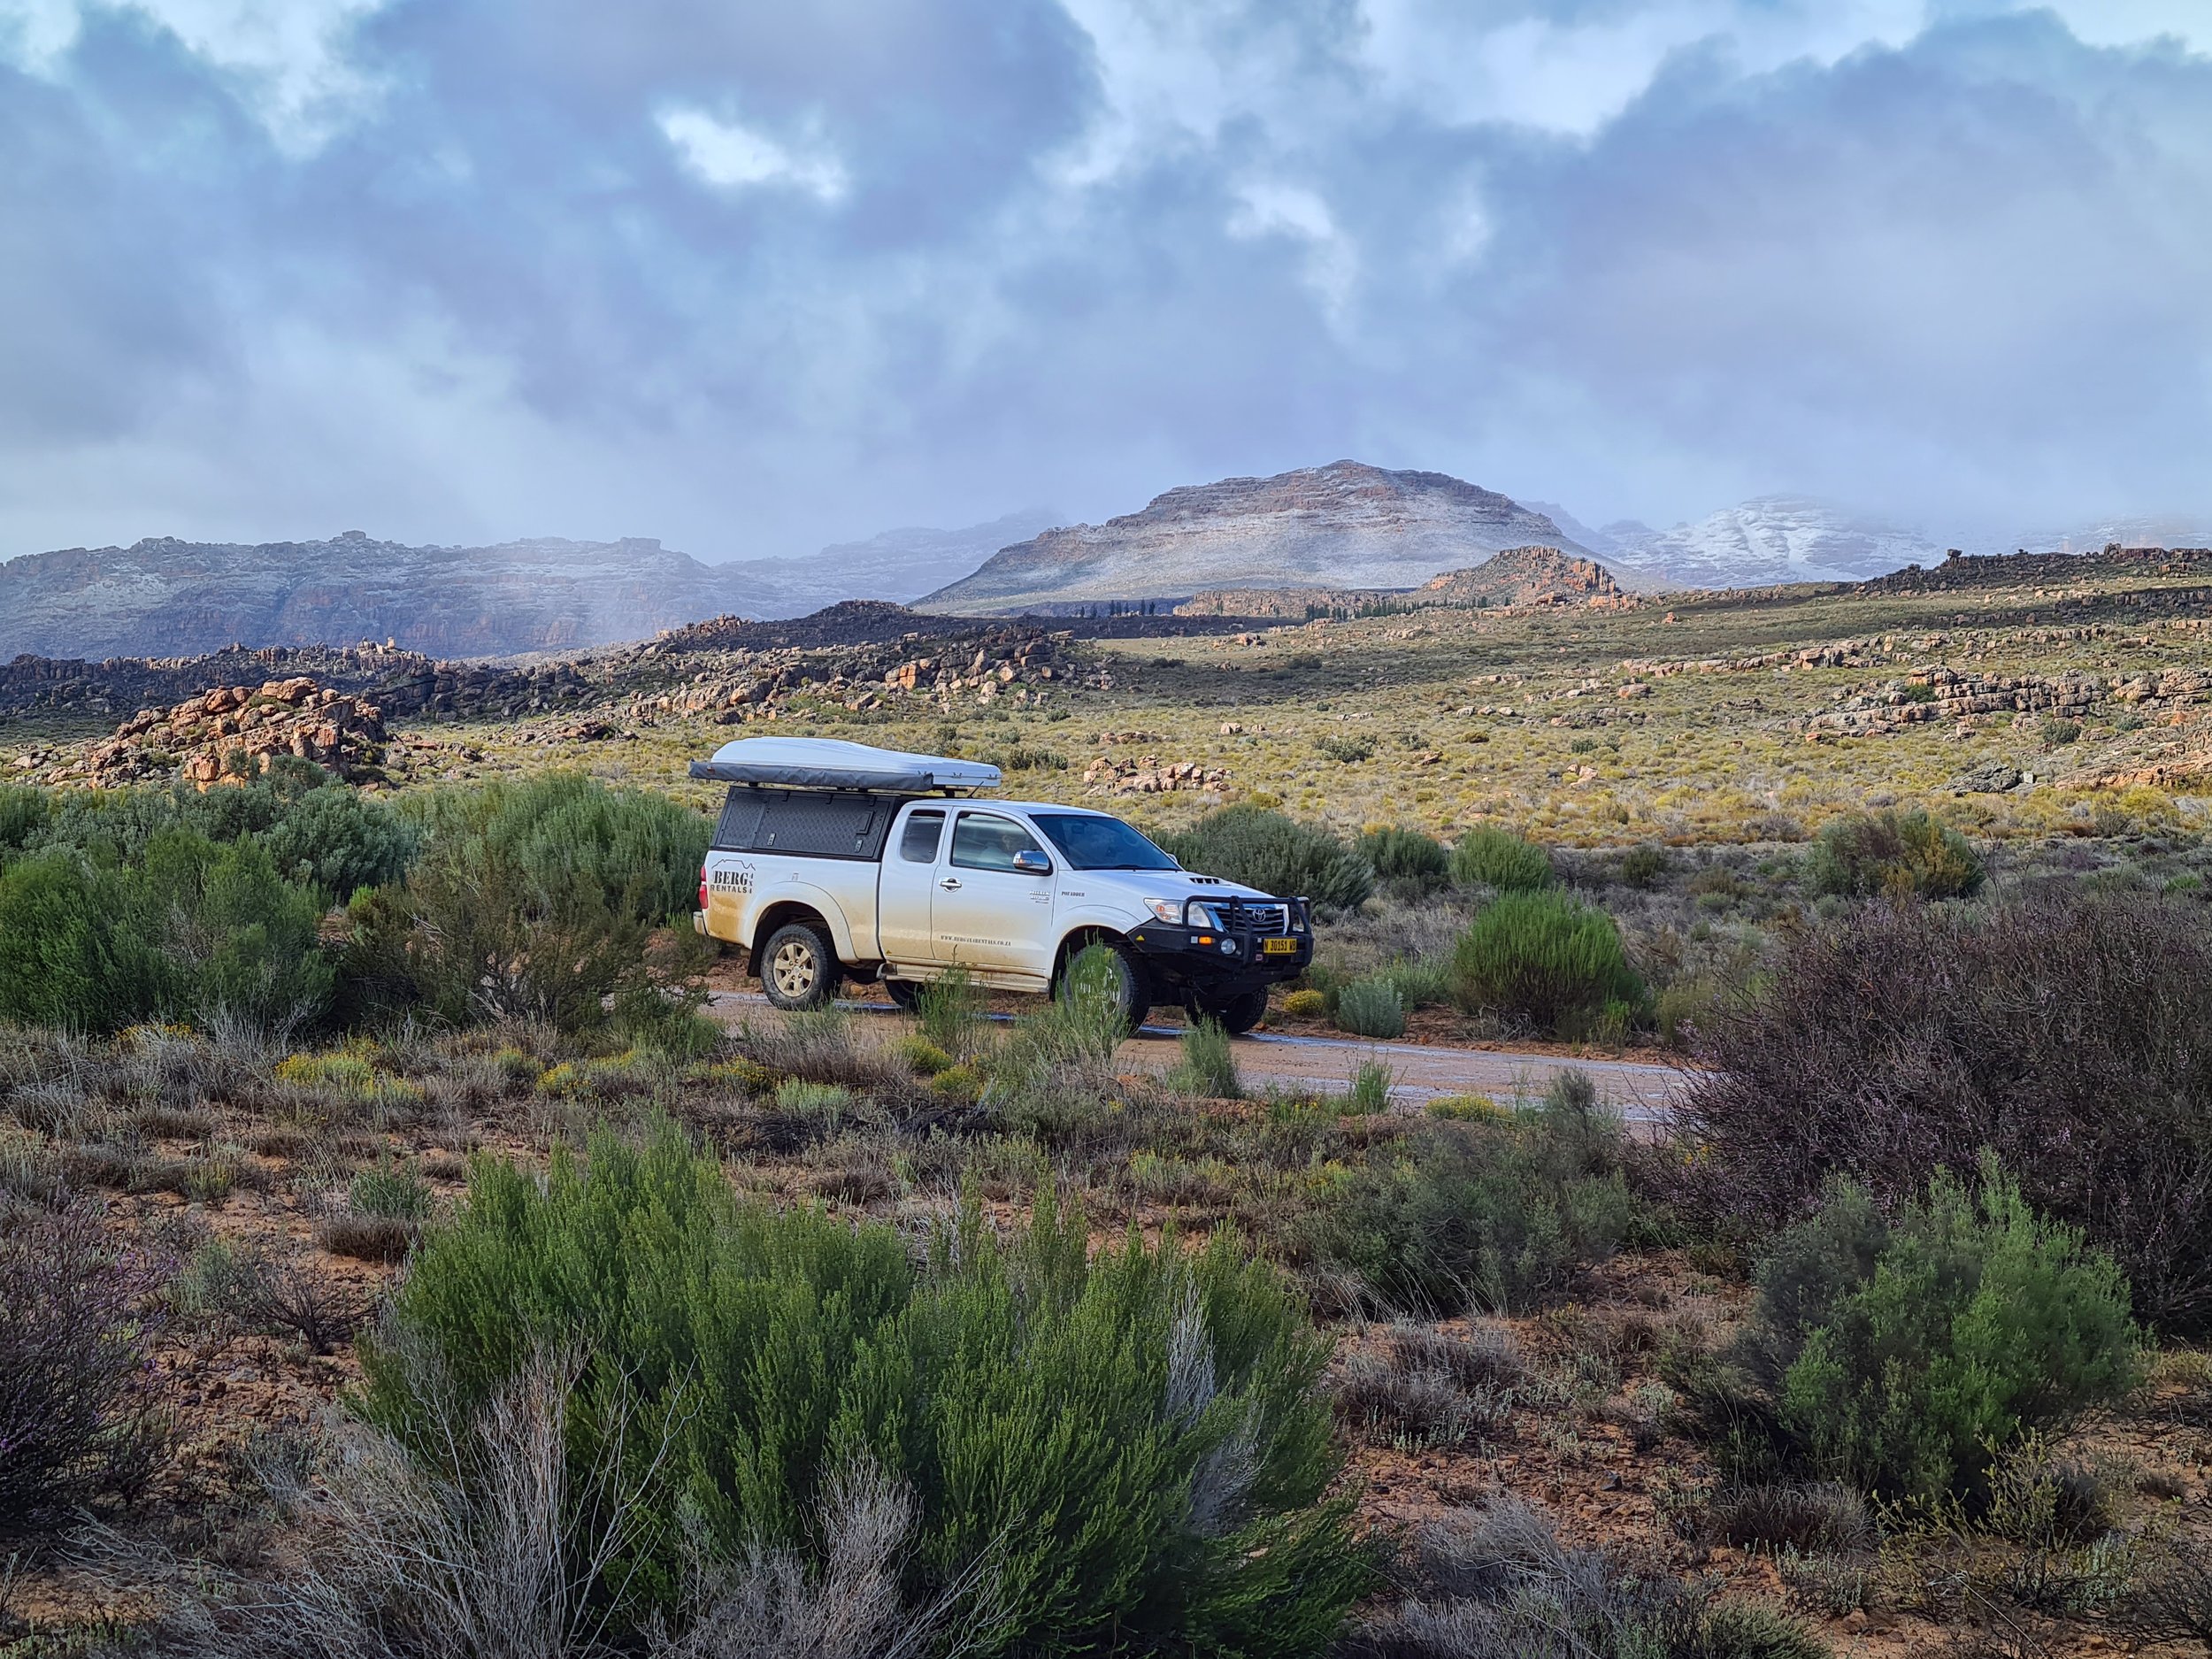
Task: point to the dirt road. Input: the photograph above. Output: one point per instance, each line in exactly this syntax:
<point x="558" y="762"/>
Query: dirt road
<point x="1641" y="1091"/>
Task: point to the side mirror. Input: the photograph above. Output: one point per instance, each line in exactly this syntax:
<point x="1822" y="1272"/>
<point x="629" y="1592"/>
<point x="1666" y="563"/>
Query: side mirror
<point x="1030" y="862"/>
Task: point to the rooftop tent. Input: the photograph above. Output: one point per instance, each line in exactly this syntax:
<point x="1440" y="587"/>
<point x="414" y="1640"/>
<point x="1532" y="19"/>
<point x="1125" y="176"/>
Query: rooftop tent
<point x="829" y="763"/>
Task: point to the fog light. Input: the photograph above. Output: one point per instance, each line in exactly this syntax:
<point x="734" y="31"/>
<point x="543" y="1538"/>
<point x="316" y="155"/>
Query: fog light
<point x="1228" y="947"/>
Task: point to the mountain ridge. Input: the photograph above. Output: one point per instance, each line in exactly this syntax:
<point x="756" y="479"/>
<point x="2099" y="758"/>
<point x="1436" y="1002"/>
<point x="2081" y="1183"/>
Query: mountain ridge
<point x="1343" y="525"/>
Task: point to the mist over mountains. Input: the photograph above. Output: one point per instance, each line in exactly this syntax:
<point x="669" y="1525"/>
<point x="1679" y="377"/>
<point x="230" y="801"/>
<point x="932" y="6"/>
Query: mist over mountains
<point x="1347" y="524"/>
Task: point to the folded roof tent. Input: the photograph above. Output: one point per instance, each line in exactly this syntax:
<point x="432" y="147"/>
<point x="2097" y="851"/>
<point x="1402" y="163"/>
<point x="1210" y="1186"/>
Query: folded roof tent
<point x="831" y="763"/>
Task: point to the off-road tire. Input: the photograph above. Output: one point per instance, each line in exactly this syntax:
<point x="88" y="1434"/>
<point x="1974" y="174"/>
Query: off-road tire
<point x="798" y="967"/>
<point x="1237" y="1015"/>
<point x="1133" y="987"/>
<point x="904" y="993"/>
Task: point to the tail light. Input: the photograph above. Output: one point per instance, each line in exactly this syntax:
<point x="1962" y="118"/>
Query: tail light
<point x="702" y="886"/>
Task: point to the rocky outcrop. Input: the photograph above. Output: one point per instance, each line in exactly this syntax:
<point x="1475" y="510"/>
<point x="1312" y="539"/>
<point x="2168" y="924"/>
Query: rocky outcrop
<point x="1346" y="525"/>
<point x="226" y="735"/>
<point x="1933" y="694"/>
<point x="1526" y="576"/>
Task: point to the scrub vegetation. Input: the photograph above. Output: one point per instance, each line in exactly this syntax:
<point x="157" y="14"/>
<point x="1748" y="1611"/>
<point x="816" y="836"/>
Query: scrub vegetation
<point x="400" y="1255"/>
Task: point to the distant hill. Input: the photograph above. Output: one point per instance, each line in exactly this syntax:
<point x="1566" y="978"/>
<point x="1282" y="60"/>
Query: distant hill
<point x="163" y="598"/>
<point x="898" y="566"/>
<point x="1344" y="526"/>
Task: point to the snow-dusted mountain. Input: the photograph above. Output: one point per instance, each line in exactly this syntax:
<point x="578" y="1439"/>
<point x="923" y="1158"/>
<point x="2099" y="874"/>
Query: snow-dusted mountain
<point x="1772" y="539"/>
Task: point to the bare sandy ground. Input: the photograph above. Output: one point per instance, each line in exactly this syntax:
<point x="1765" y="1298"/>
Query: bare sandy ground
<point x="1420" y="1073"/>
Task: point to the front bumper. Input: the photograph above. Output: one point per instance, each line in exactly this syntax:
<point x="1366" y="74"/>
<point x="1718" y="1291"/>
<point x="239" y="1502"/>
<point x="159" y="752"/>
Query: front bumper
<point x="1225" y="961"/>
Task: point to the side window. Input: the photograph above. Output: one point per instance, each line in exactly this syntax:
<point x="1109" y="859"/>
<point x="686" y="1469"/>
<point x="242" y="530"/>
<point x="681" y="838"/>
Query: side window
<point x="917" y="842"/>
<point x="982" y="841"/>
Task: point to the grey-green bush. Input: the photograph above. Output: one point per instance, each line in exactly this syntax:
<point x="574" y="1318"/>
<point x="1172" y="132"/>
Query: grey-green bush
<point x="1278" y="855"/>
<point x="1500" y="1215"/>
<point x="1133" y="1443"/>
<point x="1895" y="855"/>
<point x="1370" y="1008"/>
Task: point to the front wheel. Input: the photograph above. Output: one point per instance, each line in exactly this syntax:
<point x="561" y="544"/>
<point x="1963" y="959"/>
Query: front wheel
<point x="798" y="970"/>
<point x="1238" y="1014"/>
<point x="1114" y="975"/>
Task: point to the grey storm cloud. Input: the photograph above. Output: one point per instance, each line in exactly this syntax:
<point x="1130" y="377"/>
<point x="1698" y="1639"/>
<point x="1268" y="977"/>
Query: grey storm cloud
<point x="754" y="279"/>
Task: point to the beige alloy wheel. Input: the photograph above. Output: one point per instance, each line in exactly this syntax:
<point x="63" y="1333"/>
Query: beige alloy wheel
<point x="797" y="970"/>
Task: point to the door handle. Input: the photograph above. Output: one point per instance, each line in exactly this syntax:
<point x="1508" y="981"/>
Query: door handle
<point x="950" y="881"/>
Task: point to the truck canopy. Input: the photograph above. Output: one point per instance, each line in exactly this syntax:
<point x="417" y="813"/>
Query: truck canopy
<point x="830" y="762"/>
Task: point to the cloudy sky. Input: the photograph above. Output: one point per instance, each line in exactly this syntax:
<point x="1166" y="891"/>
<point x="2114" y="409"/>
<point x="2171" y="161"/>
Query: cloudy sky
<point x="752" y="277"/>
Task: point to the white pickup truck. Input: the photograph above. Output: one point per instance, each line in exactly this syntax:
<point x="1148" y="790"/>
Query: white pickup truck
<point x="834" y="861"/>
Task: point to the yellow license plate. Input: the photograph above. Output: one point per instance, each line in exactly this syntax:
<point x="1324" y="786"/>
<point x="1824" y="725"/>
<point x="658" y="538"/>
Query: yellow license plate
<point x="1278" y="947"/>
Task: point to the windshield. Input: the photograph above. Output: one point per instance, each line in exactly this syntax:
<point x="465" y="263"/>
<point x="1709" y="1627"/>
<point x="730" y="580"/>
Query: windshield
<point x="1089" y="843"/>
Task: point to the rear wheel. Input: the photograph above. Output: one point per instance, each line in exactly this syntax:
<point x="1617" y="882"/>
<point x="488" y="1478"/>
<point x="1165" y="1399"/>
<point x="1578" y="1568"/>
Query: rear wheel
<point x="798" y="969"/>
<point x="904" y="993"/>
<point x="1237" y="1015"/>
<point x="1123" y="983"/>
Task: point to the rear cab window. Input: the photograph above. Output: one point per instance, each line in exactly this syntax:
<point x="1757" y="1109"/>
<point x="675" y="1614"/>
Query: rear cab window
<point x="924" y="832"/>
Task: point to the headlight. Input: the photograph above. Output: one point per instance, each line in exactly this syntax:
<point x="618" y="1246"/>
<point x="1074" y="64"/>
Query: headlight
<point x="1166" y="910"/>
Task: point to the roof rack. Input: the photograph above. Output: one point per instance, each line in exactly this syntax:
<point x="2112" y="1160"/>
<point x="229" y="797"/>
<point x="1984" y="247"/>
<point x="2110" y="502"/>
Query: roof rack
<point x="830" y="762"/>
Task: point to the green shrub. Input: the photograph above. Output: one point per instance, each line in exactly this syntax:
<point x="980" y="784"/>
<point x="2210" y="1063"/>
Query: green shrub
<point x="1641" y="867"/>
<point x="1895" y="855"/>
<point x="246" y="941"/>
<point x="1544" y="960"/>
<point x="531" y="901"/>
<point x="1345" y="750"/>
<point x="1306" y="1003"/>
<point x="1488" y="857"/>
<point x="1498" y="1212"/>
<point x="318" y="831"/>
<point x="1209" y="1064"/>
<point x="1278" y="855"/>
<point x="1406" y="859"/>
<point x="1904" y="1357"/>
<point x="1132" y="1445"/>
<point x="337" y="839"/>
<point x="641" y="851"/>
<point x="191" y="931"/>
<point x="1370" y="1008"/>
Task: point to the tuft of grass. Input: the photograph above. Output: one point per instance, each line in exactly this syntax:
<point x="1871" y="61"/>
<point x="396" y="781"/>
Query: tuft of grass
<point x="925" y="1056"/>
<point x="1209" y="1064"/>
<point x="391" y="1190"/>
<point x="1370" y="1093"/>
<point x="949" y="1013"/>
